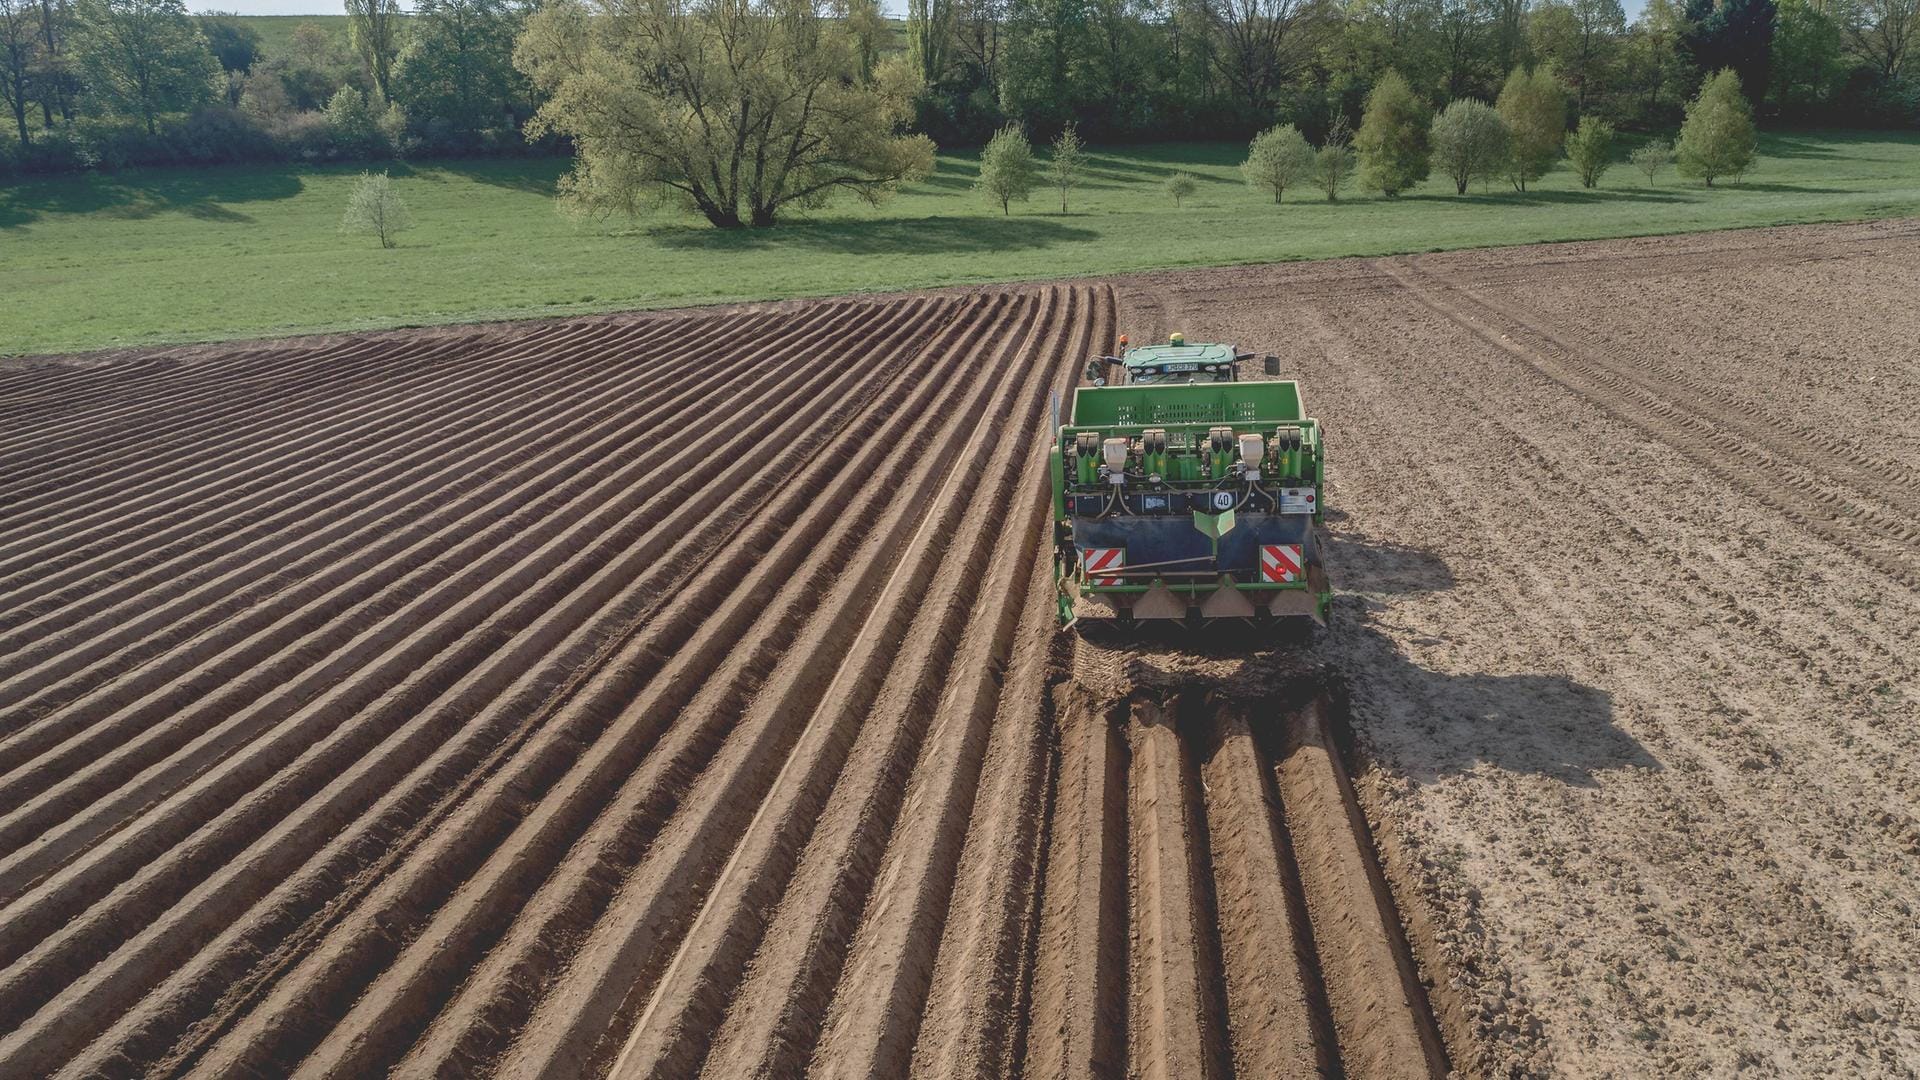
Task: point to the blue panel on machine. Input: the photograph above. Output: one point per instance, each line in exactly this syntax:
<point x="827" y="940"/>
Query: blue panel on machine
<point x="1170" y="539"/>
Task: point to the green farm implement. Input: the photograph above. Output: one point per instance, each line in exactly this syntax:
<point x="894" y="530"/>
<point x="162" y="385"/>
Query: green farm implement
<point x="1181" y="492"/>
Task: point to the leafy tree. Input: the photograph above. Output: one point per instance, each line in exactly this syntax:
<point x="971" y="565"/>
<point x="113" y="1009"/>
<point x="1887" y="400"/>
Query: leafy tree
<point x="1735" y="34"/>
<point x="868" y="25"/>
<point x="458" y="67"/>
<point x="1651" y="64"/>
<point x="1399" y="35"/>
<point x="743" y="109"/>
<point x="374" y="28"/>
<point x="1278" y="158"/>
<point x="311" y="69"/>
<point x="930" y="25"/>
<point x="144" y="58"/>
<point x="1069" y="158"/>
<point x="1333" y="165"/>
<point x="1590" y="149"/>
<point x="1181" y="186"/>
<point x="1392" y="141"/>
<point x="19" y="44"/>
<point x="375" y="209"/>
<point x="1042" y="68"/>
<point x="1651" y="157"/>
<point x="1470" y="142"/>
<point x="54" y="73"/>
<point x="1807" y="47"/>
<point x="235" y="44"/>
<point x="1534" y="105"/>
<point x="1581" y="39"/>
<point x="1466" y="32"/>
<point x="1509" y="34"/>
<point x="1007" y="169"/>
<point x="1717" y="138"/>
<point x="1126" y="84"/>
<point x="354" y="123"/>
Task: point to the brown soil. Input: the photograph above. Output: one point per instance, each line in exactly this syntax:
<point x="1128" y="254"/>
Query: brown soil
<point x="1628" y="547"/>
<point x="679" y="694"/>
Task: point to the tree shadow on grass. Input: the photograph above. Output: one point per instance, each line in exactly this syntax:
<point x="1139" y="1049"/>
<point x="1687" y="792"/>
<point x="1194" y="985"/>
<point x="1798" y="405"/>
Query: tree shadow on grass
<point x="531" y="176"/>
<point x="912" y="236"/>
<point x="1787" y="146"/>
<point x="1581" y="197"/>
<point x="1785" y="189"/>
<point x="207" y="194"/>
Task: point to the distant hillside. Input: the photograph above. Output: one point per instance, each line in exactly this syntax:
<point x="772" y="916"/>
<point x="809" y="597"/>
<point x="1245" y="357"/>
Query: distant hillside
<point x="277" y="30"/>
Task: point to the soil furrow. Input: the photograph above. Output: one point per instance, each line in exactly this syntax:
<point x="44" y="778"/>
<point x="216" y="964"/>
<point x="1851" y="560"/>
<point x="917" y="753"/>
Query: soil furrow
<point x="373" y="516"/>
<point x="1379" y="1010"/>
<point x="551" y="733"/>
<point x="660" y="782"/>
<point x="247" y="475"/>
<point x="487" y="552"/>
<point x="478" y="834"/>
<point x="775" y="1014"/>
<point x="302" y="733"/>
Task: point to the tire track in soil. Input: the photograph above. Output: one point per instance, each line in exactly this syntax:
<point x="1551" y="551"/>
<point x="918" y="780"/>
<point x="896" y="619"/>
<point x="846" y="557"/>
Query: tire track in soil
<point x="1876" y="538"/>
<point x="1739" y="422"/>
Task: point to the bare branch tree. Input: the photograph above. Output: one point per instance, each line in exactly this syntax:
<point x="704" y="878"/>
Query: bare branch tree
<point x="1263" y="43"/>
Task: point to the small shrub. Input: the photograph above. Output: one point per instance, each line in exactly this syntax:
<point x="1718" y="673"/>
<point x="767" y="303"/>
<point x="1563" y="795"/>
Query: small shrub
<point x="1333" y="165"/>
<point x="1469" y="142"/>
<point x="355" y="125"/>
<point x="1277" y="159"/>
<point x="1392" y="141"/>
<point x="1007" y="168"/>
<point x="1717" y="138"/>
<point x="1590" y="149"/>
<point x="1069" y="158"/>
<point x="1651" y="157"/>
<point x="375" y="209"/>
<point x="1181" y="185"/>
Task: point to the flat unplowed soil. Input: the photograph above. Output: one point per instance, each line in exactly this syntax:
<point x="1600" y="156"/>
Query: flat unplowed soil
<point x="1629" y="552"/>
<point x="679" y="695"/>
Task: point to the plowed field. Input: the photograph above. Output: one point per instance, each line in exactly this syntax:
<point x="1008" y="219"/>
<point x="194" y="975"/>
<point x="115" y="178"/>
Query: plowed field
<point x="679" y="694"/>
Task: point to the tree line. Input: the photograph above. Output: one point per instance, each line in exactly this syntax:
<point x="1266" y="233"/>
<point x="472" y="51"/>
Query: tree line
<point x="1146" y="69"/>
<point x="108" y="83"/>
<point x="1401" y="143"/>
<point x="663" y="97"/>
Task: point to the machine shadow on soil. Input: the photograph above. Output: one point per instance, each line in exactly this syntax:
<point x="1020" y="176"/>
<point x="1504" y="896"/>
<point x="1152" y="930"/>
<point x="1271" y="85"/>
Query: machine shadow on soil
<point x="1441" y="723"/>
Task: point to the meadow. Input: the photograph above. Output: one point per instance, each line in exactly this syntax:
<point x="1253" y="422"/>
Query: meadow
<point x="174" y="255"/>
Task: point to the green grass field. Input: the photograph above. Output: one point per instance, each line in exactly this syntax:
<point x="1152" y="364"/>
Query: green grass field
<point x="185" y="255"/>
<point x="276" y="31"/>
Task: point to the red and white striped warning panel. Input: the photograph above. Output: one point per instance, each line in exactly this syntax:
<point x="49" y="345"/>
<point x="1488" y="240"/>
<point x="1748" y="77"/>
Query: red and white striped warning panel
<point x="1096" y="560"/>
<point x="1280" y="562"/>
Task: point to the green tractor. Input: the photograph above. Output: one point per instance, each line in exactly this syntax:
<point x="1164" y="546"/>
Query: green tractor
<point x="1181" y="492"/>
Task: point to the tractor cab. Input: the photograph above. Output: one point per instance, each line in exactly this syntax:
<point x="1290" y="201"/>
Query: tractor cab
<point x="1175" y="363"/>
